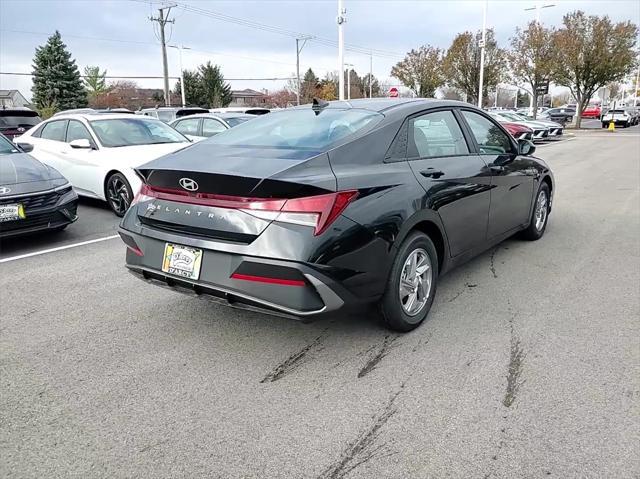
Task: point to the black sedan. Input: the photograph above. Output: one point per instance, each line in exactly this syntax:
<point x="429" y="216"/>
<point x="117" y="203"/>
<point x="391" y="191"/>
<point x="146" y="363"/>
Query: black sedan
<point x="33" y="196"/>
<point x="331" y="206"/>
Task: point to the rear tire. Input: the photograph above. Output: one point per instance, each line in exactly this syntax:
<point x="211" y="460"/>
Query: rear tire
<point x="411" y="285"/>
<point x="539" y="215"/>
<point x="118" y="193"/>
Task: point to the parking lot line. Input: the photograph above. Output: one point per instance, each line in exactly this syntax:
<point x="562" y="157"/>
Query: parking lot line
<point x="59" y="248"/>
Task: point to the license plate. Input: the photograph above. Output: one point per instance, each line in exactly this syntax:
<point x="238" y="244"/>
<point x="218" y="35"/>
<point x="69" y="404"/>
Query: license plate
<point x="182" y="261"/>
<point x="12" y="212"/>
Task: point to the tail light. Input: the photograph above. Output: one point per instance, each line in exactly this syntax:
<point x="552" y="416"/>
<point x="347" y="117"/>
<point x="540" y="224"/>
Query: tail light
<point x="318" y="211"/>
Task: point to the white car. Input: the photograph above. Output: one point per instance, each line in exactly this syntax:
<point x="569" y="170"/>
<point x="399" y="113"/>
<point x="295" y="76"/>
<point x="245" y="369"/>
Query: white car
<point x="618" y="116"/>
<point x="98" y="153"/>
<point x="205" y="125"/>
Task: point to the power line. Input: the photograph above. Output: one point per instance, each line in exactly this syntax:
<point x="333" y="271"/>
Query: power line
<point x="147" y="77"/>
<point x="281" y="31"/>
<point x="162" y="20"/>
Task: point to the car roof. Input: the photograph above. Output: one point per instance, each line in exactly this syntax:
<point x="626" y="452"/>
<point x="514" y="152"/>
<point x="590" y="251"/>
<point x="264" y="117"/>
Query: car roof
<point x="100" y="116"/>
<point x="221" y="116"/>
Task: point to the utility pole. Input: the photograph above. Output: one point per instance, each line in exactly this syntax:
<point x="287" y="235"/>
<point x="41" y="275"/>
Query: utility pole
<point x="298" y="50"/>
<point x="180" y="48"/>
<point x="495" y="103"/>
<point x="371" y="73"/>
<point x="162" y="20"/>
<point x="482" y="46"/>
<point x="539" y="6"/>
<point x="341" y="20"/>
<point x="515" y="103"/>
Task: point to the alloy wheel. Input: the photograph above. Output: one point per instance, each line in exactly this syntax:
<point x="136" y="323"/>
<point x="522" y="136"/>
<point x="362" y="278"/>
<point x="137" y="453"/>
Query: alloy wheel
<point x="541" y="210"/>
<point x="415" y="282"/>
<point x="118" y="195"/>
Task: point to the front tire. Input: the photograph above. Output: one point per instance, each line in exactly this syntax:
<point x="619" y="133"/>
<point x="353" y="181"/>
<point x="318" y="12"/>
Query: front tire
<point x="411" y="285"/>
<point x="118" y="193"/>
<point x="539" y="215"/>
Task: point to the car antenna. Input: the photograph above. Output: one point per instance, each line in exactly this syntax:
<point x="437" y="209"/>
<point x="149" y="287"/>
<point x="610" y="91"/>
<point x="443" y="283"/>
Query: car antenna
<point x="318" y="105"/>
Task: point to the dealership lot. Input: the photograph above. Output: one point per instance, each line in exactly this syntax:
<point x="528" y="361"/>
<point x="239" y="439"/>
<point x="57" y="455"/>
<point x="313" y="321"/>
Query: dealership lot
<point x="527" y="366"/>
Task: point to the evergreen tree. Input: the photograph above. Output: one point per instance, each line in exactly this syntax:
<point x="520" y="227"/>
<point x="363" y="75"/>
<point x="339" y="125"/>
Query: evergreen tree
<point x="216" y="92"/>
<point x="308" y="87"/>
<point x="56" y="79"/>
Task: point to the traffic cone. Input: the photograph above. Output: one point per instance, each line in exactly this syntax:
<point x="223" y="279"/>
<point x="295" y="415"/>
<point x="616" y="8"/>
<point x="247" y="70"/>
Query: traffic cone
<point x="612" y="126"/>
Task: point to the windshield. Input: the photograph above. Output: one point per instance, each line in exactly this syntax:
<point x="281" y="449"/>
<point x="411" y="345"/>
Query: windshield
<point x="134" y="131"/>
<point x="514" y="117"/>
<point x="16" y="120"/>
<point x="7" y="147"/>
<point x="166" y="115"/>
<point x="299" y="128"/>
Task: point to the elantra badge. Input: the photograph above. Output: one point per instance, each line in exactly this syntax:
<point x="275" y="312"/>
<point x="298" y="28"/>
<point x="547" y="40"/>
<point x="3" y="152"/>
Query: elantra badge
<point x="188" y="184"/>
<point x="4" y="190"/>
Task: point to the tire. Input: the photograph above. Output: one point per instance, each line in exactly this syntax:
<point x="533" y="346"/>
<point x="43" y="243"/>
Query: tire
<point x="538" y="224"/>
<point x="395" y="309"/>
<point x="118" y="193"/>
<point x="604" y="125"/>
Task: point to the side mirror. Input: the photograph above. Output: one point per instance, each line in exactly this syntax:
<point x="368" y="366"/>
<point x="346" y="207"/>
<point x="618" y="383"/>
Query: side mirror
<point x="526" y="147"/>
<point x="81" y="144"/>
<point x="25" y="147"/>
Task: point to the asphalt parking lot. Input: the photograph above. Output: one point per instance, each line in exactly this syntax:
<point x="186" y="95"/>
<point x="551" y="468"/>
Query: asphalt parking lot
<point x="528" y="366"/>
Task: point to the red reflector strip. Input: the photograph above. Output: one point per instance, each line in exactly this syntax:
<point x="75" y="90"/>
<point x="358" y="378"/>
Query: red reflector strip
<point x="264" y="279"/>
<point x="136" y="251"/>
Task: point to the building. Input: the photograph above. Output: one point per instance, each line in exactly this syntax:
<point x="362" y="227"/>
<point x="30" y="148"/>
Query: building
<point x="247" y="97"/>
<point x="12" y="99"/>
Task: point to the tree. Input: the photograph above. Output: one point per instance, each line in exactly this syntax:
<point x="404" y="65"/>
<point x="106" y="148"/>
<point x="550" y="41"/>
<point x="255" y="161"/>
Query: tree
<point x="280" y="99"/>
<point x="462" y="64"/>
<point x="591" y="52"/>
<point x="451" y="94"/>
<point x="308" y="87"/>
<point x="94" y="80"/>
<point x="56" y="79"/>
<point x="375" y="86"/>
<point x="205" y="87"/>
<point x="532" y="57"/>
<point x="614" y="89"/>
<point x="215" y="91"/>
<point x="421" y="71"/>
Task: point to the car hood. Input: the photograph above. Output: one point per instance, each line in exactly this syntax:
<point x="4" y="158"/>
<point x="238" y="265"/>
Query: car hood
<point x="21" y="173"/>
<point x="140" y="154"/>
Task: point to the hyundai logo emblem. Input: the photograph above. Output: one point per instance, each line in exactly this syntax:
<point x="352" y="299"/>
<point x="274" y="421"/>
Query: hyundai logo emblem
<point x="20" y="129"/>
<point x="188" y="184"/>
<point x="4" y="190"/>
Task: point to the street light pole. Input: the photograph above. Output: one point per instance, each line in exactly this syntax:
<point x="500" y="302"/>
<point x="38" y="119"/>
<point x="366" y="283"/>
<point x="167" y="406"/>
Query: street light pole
<point x="298" y="50"/>
<point x="341" y="20"/>
<point x="180" y="48"/>
<point x="371" y="74"/>
<point x="482" y="46"/>
<point x="349" y="67"/>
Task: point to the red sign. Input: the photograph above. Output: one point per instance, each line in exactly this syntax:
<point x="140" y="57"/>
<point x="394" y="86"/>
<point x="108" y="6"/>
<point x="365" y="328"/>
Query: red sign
<point x="393" y="92"/>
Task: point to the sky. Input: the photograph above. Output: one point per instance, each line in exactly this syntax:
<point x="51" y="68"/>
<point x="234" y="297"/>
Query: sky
<point x="118" y="36"/>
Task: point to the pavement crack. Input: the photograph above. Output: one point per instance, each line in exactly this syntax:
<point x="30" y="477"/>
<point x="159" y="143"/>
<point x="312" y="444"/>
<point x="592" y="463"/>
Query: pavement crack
<point x="365" y="446"/>
<point x="516" y="362"/>
<point x="376" y="358"/>
<point x="293" y="361"/>
<point x="492" y="265"/>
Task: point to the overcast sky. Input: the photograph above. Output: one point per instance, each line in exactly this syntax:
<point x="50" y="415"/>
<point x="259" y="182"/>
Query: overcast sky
<point x="118" y="36"/>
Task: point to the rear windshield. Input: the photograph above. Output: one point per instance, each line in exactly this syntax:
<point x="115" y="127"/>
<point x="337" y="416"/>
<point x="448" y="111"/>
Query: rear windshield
<point x="134" y="131"/>
<point x="235" y="121"/>
<point x="617" y="111"/>
<point x="26" y="120"/>
<point x="299" y="128"/>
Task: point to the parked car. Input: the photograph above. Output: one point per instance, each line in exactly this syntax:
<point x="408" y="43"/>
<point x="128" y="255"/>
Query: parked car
<point x="592" y="111"/>
<point x="518" y="131"/>
<point x="33" y="197"/>
<point x="619" y="116"/>
<point x="206" y="125"/>
<point x="540" y="132"/>
<point x="98" y="153"/>
<point x="169" y="113"/>
<point x="15" y="121"/>
<point x="252" y="110"/>
<point x="328" y="207"/>
<point x="558" y="115"/>
<point x="555" y="129"/>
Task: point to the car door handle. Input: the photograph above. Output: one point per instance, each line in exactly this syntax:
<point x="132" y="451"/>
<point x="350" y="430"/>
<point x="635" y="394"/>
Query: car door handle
<point x="431" y="173"/>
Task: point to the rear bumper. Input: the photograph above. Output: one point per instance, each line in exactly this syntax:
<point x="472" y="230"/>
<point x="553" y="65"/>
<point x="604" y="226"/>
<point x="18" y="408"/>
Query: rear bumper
<point x="314" y="294"/>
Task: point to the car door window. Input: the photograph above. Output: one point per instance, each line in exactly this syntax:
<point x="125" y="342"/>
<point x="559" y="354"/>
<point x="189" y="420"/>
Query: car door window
<point x="77" y="131"/>
<point x="490" y="138"/>
<point x="188" y="127"/>
<point x="212" y="127"/>
<point x="54" y="130"/>
<point x="435" y="134"/>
